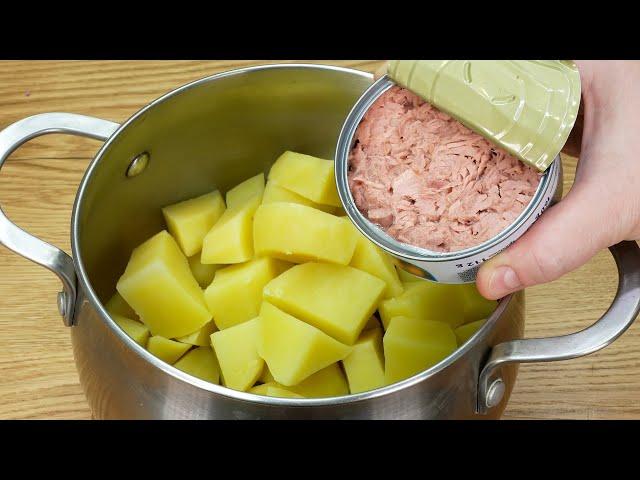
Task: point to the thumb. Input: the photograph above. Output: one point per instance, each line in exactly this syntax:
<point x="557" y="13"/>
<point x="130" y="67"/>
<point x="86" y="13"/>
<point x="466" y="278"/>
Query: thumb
<point x="561" y="240"/>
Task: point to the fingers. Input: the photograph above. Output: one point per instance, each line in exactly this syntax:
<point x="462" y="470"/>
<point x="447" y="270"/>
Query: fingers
<point x="561" y="240"/>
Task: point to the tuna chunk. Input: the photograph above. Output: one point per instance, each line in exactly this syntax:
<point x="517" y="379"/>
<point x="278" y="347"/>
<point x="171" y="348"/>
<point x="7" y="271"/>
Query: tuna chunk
<point x="429" y="181"/>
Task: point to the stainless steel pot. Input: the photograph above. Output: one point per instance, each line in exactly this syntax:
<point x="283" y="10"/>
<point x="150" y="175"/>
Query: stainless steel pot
<point x="214" y="133"/>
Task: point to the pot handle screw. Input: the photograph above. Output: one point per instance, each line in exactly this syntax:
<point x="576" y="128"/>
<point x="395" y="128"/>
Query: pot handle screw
<point x="25" y="244"/>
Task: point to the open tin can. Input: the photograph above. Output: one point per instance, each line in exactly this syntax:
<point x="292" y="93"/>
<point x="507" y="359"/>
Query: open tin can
<point x="455" y="267"/>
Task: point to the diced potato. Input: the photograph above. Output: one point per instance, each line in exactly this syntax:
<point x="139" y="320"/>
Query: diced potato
<point x="201" y="337"/>
<point x="273" y="389"/>
<point x="202" y="273"/>
<point x="266" y="376"/>
<point x="117" y="306"/>
<point x="136" y="330"/>
<point x="294" y="350"/>
<point x="406" y="277"/>
<point x="476" y="307"/>
<point x="275" y="193"/>
<point x="298" y="233"/>
<point x="412" y="345"/>
<point x="365" y="365"/>
<point x="246" y="190"/>
<point x="235" y="294"/>
<point x="328" y="382"/>
<point x="158" y="284"/>
<point x="231" y="238"/>
<point x="189" y="221"/>
<point x="373" y="322"/>
<point x="425" y="301"/>
<point x="339" y="212"/>
<point x="237" y="352"/>
<point x="166" y="350"/>
<point x="370" y="258"/>
<point x="200" y="362"/>
<point x="334" y="298"/>
<point x="308" y="176"/>
<point x="465" y="332"/>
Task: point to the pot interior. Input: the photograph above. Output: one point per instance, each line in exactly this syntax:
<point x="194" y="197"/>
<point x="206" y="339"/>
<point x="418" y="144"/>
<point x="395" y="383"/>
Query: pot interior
<point x="211" y="134"/>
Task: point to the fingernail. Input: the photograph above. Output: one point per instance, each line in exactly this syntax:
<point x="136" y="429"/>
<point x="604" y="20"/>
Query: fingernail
<point x="504" y="280"/>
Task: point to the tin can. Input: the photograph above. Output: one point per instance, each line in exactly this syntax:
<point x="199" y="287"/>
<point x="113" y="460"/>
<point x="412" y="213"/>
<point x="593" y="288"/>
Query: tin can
<point x="444" y="267"/>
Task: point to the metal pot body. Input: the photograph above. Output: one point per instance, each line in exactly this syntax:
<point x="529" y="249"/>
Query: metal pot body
<point x="215" y="133"/>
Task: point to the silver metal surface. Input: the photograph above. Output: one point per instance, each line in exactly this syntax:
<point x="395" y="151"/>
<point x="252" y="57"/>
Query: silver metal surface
<point x="446" y="267"/>
<point x="620" y="315"/>
<point x="495" y="392"/>
<point x="212" y="134"/>
<point x="138" y="165"/>
<point x="23" y="243"/>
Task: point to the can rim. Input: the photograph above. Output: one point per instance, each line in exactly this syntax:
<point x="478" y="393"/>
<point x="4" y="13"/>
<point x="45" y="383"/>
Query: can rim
<point x="376" y="234"/>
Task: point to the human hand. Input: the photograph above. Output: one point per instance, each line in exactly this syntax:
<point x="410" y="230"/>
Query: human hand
<point x="603" y="206"/>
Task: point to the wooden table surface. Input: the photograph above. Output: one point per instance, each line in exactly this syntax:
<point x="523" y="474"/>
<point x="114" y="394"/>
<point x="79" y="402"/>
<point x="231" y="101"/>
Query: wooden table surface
<point x="38" y="378"/>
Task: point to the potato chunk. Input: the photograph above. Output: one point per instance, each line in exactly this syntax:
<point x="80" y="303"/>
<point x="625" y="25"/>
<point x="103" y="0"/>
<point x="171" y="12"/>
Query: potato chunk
<point x="266" y="376"/>
<point x="202" y="273"/>
<point x="476" y="307"/>
<point x="117" y="306"/>
<point x="237" y="352"/>
<point x="412" y="345"/>
<point x="311" y="177"/>
<point x="425" y="301"/>
<point x="273" y="389"/>
<point x="158" y="284"/>
<point x="136" y="330"/>
<point x="334" y="298"/>
<point x="275" y="193"/>
<point x="235" y="294"/>
<point x="365" y="364"/>
<point x="328" y="382"/>
<point x="200" y="362"/>
<point x="230" y="240"/>
<point x="253" y="187"/>
<point x="166" y="350"/>
<point x="406" y="277"/>
<point x="298" y="233"/>
<point x="294" y="350"/>
<point x="370" y="258"/>
<point x="465" y="332"/>
<point x="201" y="337"/>
<point x="190" y="220"/>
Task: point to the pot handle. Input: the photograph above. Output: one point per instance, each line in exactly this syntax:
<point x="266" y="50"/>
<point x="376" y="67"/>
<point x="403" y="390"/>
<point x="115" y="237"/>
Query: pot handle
<point x="609" y="327"/>
<point x="21" y="242"/>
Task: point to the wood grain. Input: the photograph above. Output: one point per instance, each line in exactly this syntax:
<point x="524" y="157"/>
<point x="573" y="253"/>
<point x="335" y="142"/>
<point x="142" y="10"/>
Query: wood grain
<point x="37" y="188"/>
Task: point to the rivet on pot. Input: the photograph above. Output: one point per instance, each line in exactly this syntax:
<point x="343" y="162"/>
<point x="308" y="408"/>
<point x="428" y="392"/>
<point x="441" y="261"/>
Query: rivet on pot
<point x="138" y="164"/>
<point x="495" y="392"/>
<point x="62" y="303"/>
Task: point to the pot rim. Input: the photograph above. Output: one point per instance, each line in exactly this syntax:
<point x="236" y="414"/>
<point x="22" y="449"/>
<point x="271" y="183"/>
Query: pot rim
<point x="94" y="301"/>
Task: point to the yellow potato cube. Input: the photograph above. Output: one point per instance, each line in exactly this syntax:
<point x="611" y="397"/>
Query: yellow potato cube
<point x="231" y="238"/>
<point x="202" y="273"/>
<point x="308" y="176"/>
<point x="406" y="277"/>
<point x="294" y="350"/>
<point x="275" y="193"/>
<point x="425" y="301"/>
<point x="365" y="365"/>
<point x="334" y="298"/>
<point x="237" y="352"/>
<point x="273" y="389"/>
<point x="298" y="233"/>
<point x="158" y="284"/>
<point x="465" y="332"/>
<point x="370" y="258"/>
<point x="246" y="190"/>
<point x="328" y="382"/>
<point x="136" y="330"/>
<point x="235" y="294"/>
<point x="201" y="337"/>
<point x="166" y="350"/>
<point x="190" y="220"/>
<point x="412" y="345"/>
<point x="266" y="376"/>
<point x="117" y="306"/>
<point x="476" y="307"/>
<point x="200" y="362"/>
